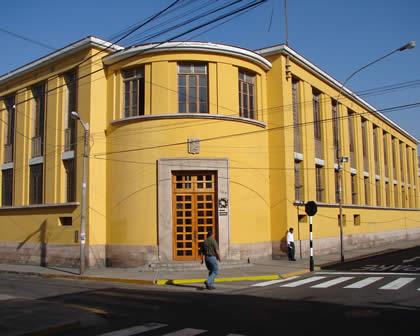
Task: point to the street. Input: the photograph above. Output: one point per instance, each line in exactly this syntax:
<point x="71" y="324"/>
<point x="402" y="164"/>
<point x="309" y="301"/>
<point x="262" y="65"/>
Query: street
<point x="366" y="297"/>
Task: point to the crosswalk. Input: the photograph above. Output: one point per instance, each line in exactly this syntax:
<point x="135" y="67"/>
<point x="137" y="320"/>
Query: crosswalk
<point x="145" y="328"/>
<point x="346" y="281"/>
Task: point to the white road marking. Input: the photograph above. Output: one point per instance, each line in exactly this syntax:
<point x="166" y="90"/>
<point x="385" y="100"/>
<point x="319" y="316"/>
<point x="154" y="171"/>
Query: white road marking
<point x="397" y="284"/>
<point x="410" y="260"/>
<point x="8" y="297"/>
<point x="272" y="282"/>
<point x="332" y="282"/>
<point x="364" y="282"/>
<point x="135" y="330"/>
<point x="366" y="273"/>
<point x="186" y="332"/>
<point x="303" y="282"/>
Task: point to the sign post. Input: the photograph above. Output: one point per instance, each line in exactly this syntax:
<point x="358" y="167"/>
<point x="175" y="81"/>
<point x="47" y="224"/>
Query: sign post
<point x="311" y="208"/>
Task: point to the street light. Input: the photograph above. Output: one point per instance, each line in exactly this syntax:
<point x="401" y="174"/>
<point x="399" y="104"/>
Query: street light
<point x="75" y="115"/>
<point x="340" y="160"/>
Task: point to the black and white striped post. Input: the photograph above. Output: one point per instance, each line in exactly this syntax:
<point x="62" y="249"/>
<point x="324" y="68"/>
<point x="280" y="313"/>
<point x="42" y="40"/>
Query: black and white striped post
<point x="311" y="209"/>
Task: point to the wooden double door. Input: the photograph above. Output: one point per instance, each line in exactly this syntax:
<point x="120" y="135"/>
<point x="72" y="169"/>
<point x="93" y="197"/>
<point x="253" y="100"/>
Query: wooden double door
<point x="193" y="211"/>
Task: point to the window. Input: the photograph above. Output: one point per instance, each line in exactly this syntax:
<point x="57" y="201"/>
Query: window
<point x="38" y="126"/>
<point x="35" y="188"/>
<point x="66" y="221"/>
<point x="335" y="128"/>
<point x="378" y="192"/>
<point x="364" y="145"/>
<point x="298" y="181"/>
<point x="353" y="188"/>
<point x="385" y="156"/>
<point x="356" y="220"/>
<point x="388" y="194"/>
<point x="296" y="119"/>
<point x="402" y="162"/>
<point x="192" y="88"/>
<point x="375" y="149"/>
<point x="10" y="129"/>
<point x="133" y="92"/>
<point x="7" y="187"/>
<point x="247" y="94"/>
<point x="396" y="198"/>
<point x="70" y="180"/>
<point x="317" y="123"/>
<point x="351" y="139"/>
<point x="71" y="95"/>
<point x="367" y="189"/>
<point x="319" y="184"/>
<point x="337" y="190"/>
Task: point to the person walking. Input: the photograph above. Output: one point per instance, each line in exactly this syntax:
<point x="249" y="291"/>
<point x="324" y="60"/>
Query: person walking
<point x="290" y="245"/>
<point x="210" y="254"/>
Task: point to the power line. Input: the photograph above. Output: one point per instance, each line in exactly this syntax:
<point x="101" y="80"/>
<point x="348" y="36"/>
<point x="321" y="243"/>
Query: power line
<point x="27" y="39"/>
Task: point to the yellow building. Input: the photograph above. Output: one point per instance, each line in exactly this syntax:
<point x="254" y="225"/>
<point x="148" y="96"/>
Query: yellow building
<point x="187" y="137"/>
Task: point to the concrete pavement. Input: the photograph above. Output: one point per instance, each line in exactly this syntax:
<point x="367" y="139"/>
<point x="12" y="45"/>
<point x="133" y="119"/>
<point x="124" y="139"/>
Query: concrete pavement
<point x="258" y="270"/>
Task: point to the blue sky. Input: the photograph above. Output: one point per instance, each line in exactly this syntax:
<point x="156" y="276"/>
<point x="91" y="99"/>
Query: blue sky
<point x="338" y="36"/>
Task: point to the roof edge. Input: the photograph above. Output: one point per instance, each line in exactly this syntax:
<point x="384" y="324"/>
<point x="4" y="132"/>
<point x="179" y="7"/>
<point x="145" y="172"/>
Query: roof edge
<point x="284" y="49"/>
<point x="66" y="51"/>
<point x="188" y="46"/>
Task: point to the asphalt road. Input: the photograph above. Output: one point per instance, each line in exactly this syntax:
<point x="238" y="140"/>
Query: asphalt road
<point x="365" y="297"/>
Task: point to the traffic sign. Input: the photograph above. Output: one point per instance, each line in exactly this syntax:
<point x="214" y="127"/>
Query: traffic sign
<point x="311" y="208"/>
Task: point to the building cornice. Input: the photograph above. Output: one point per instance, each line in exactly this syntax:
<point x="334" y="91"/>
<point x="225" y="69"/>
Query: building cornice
<point x="206" y="47"/>
<point x="286" y="50"/>
<point x="89" y="41"/>
<point x="188" y="116"/>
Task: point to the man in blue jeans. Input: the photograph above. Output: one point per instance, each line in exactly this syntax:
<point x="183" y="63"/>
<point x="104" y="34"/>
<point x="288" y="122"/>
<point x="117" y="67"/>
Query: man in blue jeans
<point x="210" y="253"/>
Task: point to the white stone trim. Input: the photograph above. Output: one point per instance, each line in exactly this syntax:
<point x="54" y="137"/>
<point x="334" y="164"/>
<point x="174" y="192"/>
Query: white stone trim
<point x="67" y="155"/>
<point x="8" y="165"/>
<point x="165" y="167"/>
<point x="37" y="160"/>
<point x="319" y="162"/>
<point x="298" y="156"/>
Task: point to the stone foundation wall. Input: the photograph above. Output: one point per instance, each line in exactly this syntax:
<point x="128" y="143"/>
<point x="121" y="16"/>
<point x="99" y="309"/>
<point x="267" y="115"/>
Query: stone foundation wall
<point x="328" y="245"/>
<point x="130" y="255"/>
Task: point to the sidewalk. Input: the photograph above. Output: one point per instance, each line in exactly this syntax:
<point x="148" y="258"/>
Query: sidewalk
<point x="259" y="270"/>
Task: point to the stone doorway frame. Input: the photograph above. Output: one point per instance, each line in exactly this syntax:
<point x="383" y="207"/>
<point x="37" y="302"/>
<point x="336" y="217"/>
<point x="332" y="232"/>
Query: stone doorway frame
<point x="165" y="167"/>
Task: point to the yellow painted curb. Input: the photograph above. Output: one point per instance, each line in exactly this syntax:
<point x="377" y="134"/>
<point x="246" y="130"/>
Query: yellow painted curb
<point x="183" y="281"/>
<point x="288" y="275"/>
<point x="80" y="277"/>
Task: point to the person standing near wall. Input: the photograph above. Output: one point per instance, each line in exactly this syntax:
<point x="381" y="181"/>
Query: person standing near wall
<point x="290" y="245"/>
<point x="210" y="253"/>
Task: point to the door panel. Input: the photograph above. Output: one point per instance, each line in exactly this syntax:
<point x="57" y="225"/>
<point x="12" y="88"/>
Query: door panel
<point x="194" y="212"/>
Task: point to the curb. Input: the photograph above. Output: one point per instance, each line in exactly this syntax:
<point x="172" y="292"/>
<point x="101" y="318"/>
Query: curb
<point x="54" y="330"/>
<point x="291" y="274"/>
<point x="184" y="281"/>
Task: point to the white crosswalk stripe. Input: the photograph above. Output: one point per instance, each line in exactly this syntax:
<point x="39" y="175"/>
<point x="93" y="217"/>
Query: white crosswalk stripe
<point x="363" y="283"/>
<point x="332" y="282"/>
<point x="303" y="281"/>
<point x="186" y="332"/>
<point x="135" y="330"/>
<point x="273" y="282"/>
<point x="398" y="283"/>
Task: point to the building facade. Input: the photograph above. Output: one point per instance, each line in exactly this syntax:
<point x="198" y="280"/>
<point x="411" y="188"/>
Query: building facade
<point x="187" y="137"/>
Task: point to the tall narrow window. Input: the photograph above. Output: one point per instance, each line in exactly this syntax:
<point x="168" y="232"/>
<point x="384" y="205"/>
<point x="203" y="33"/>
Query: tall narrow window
<point x="385" y="156"/>
<point x="36" y="184"/>
<point x="246" y="94"/>
<point x="388" y="194"/>
<point x="38" y="120"/>
<point x="375" y="149"/>
<point x="319" y="184"/>
<point x="298" y="181"/>
<point x="396" y="197"/>
<point x="133" y="92"/>
<point x="337" y="191"/>
<point x="70" y="180"/>
<point x="296" y="119"/>
<point x="71" y="95"/>
<point x="402" y="161"/>
<point x="317" y="123"/>
<point x="335" y="129"/>
<point x="7" y="187"/>
<point x="364" y="145"/>
<point x="378" y="192"/>
<point x="393" y="142"/>
<point x="192" y="88"/>
<point x="10" y="129"/>
<point x="367" y="189"/>
<point x="350" y="121"/>
<point x="353" y="188"/>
